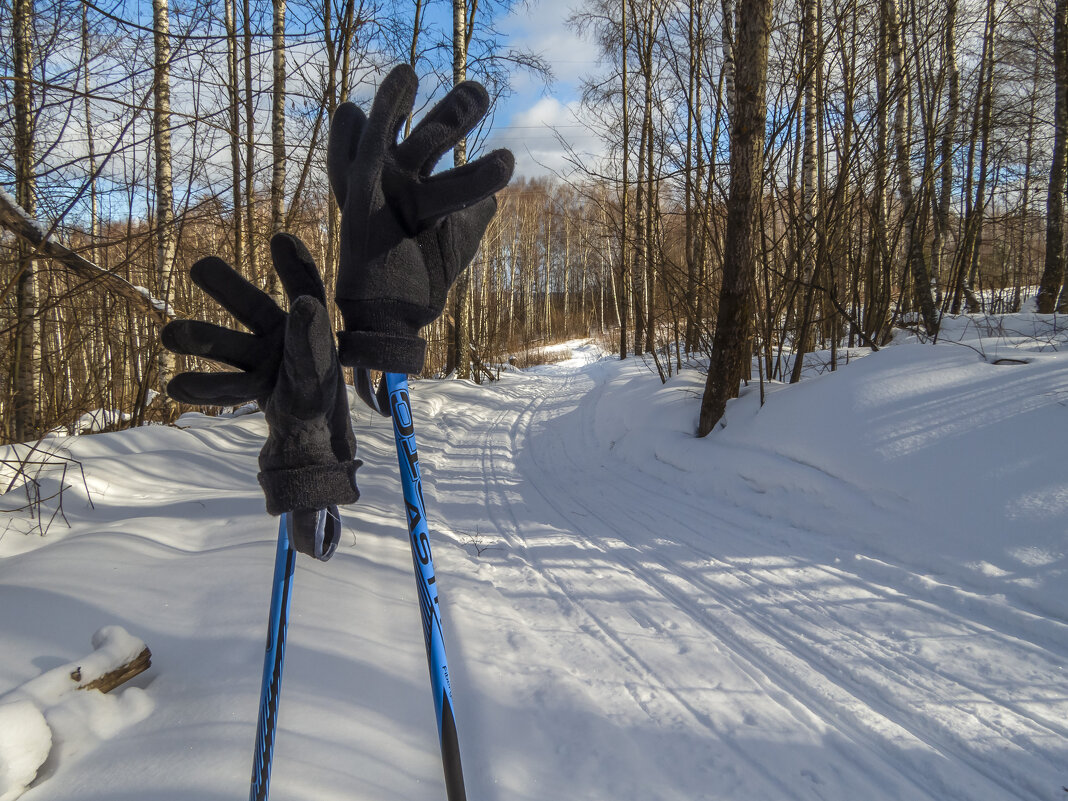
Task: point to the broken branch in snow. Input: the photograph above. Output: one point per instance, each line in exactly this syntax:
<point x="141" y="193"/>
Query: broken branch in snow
<point x="120" y="675"/>
<point x="117" y="657"/>
<point x="15" y="219"/>
<point x="26" y="722"/>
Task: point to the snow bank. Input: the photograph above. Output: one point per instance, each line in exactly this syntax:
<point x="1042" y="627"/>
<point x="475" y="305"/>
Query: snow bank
<point x="50" y="717"/>
<point x="25" y="740"/>
<point x="856" y="590"/>
<point x="935" y="456"/>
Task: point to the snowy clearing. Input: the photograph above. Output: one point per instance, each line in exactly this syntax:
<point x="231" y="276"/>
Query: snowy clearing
<point x="858" y="590"/>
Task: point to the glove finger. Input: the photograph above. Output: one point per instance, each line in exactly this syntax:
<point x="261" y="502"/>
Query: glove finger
<point x="345" y="129"/>
<point x="442" y="127"/>
<point x="197" y="338"/>
<point x="393" y="102"/>
<point x="465" y="228"/>
<point x="465" y="186"/>
<point x="217" y="389"/>
<point x="251" y="306"/>
<point x="296" y="268"/>
<point x="309" y="355"/>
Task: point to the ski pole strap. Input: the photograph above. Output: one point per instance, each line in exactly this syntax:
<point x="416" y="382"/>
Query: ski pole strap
<point x="274" y="657"/>
<point x="315" y="532"/>
<point x="376" y="398"/>
<point x="411" y="481"/>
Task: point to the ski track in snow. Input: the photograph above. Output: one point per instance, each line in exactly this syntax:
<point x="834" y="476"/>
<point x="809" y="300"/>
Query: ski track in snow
<point x="802" y="651"/>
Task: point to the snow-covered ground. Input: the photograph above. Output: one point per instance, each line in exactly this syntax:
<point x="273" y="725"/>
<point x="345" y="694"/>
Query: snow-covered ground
<point x="858" y="590"/>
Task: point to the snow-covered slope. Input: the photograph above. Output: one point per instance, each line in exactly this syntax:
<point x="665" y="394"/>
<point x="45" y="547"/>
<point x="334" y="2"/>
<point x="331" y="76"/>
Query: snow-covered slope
<point x="858" y="590"/>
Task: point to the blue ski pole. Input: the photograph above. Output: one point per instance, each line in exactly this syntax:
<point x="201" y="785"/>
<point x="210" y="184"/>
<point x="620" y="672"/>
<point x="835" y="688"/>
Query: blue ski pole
<point x="404" y="431"/>
<point x="281" y="591"/>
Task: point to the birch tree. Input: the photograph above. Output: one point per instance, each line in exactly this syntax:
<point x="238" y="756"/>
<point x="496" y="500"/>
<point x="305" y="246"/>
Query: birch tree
<point x="459" y="358"/>
<point x="233" y="91"/>
<point x="161" y="132"/>
<point x="278" y="131"/>
<point x="28" y="330"/>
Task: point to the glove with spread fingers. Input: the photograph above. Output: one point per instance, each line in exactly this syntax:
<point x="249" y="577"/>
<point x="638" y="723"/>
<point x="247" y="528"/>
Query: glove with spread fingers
<point x="288" y="363"/>
<point x="405" y="234"/>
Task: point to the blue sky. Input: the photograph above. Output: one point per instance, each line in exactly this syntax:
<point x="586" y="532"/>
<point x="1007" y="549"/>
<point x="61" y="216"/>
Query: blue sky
<point x="525" y="123"/>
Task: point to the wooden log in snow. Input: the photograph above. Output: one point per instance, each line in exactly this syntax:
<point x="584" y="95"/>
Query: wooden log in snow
<point x="114" y="678"/>
<point x="117" y="657"/>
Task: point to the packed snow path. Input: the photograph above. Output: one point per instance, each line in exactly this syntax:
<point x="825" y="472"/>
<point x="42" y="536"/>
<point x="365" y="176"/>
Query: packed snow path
<point x="721" y="654"/>
<point x="859" y="590"/>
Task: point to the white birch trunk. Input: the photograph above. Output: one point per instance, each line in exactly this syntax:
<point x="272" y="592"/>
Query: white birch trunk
<point x="278" y="134"/>
<point x="165" y="244"/>
<point x="26" y="368"/>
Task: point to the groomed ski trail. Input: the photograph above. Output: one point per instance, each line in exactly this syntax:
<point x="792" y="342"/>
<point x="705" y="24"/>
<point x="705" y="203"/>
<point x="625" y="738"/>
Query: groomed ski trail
<point x="762" y="658"/>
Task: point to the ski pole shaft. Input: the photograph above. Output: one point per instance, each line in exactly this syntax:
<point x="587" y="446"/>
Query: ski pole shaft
<point x="281" y="591"/>
<point x="408" y="456"/>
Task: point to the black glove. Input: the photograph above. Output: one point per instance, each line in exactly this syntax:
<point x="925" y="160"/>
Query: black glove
<point x="289" y="364"/>
<point x="405" y="234"/>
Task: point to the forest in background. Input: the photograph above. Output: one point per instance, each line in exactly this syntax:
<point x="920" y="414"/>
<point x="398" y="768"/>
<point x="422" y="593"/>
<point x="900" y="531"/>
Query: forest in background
<point x="908" y="161"/>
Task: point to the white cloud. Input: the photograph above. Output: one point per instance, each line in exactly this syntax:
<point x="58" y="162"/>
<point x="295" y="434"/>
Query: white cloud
<point x="541" y="26"/>
<point x="546" y="137"/>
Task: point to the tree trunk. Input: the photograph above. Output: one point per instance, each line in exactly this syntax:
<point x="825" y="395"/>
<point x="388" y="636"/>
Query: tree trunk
<point x="649" y="291"/>
<point x="250" y="150"/>
<point x="567" y="270"/>
<point x="976" y="237"/>
<point x="234" y="94"/>
<point x="916" y="260"/>
<point x="338" y="40"/>
<point x="878" y="294"/>
<point x="639" y="261"/>
<point x="413" y="51"/>
<point x="621" y="293"/>
<point x="730" y="349"/>
<point x="547" y="316"/>
<point x="27" y="360"/>
<point x="692" y="114"/>
<point x="1053" y="271"/>
<point x="458" y="358"/>
<point x="651" y="249"/>
<point x="90" y="140"/>
<point x="1023" y="252"/>
<point x="807" y="245"/>
<point x="278" y="133"/>
<point x="165" y="244"/>
<point x="949" y="132"/>
<point x="968" y="251"/>
<point x="728" y="46"/>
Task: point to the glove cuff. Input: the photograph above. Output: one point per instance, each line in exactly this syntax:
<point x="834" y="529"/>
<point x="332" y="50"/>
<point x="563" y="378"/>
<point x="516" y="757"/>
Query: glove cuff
<point x="316" y="486"/>
<point x="373" y="350"/>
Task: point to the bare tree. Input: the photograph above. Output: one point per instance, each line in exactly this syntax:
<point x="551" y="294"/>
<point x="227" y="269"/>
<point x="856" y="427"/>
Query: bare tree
<point x="807" y="220"/>
<point x="966" y="264"/>
<point x="949" y="130"/>
<point x="233" y="91"/>
<point x="161" y="128"/>
<point x="459" y="358"/>
<point x="278" y="130"/>
<point x="1053" y="274"/>
<point x="913" y="204"/>
<point x="251" y="244"/>
<point x="622" y="281"/>
<point x="730" y="347"/>
<point x="28" y="333"/>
